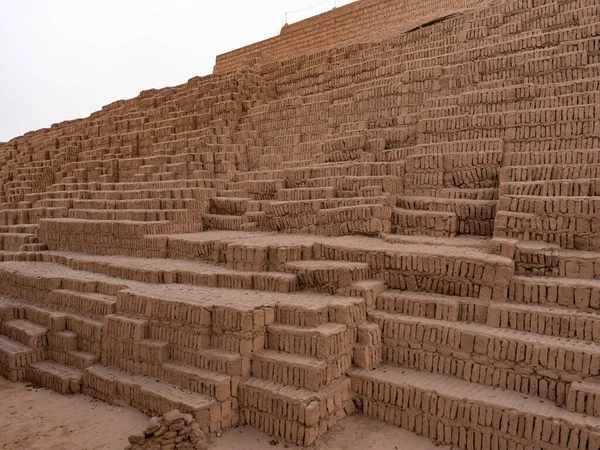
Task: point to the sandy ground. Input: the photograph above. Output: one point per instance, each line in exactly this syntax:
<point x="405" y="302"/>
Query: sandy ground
<point x="33" y="418"/>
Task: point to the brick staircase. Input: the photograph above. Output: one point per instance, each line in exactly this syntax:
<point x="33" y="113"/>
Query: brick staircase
<point x="401" y="223"/>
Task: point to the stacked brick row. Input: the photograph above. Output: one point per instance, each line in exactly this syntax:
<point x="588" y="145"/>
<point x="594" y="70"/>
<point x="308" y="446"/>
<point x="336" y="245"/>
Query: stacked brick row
<point x="173" y="429"/>
<point x="343" y="24"/>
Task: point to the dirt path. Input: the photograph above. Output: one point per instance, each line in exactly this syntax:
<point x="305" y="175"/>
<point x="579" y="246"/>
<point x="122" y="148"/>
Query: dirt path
<point x="34" y="418"/>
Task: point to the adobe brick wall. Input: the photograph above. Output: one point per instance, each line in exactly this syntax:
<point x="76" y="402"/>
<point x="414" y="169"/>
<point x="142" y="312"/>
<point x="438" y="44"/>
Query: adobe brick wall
<point x="349" y="22"/>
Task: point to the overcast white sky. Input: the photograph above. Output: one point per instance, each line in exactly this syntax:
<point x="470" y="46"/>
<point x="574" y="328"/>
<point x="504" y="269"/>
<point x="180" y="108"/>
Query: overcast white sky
<point x="64" y="59"/>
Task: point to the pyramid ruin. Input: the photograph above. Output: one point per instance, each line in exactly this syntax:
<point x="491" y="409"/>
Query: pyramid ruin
<point x="391" y="208"/>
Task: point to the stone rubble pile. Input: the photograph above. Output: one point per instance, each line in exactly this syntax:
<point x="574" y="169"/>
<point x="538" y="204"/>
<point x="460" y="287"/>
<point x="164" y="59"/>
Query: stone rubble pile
<point x="172" y="431"/>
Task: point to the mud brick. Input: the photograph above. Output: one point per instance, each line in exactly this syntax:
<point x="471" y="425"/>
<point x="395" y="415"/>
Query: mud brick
<point x="367" y="289"/>
<point x="407" y="187"/>
<point x="298" y="370"/>
<point x="398" y="402"/>
<point x="367" y="357"/>
<point x="154" y="351"/>
<point x="63" y="340"/>
<point x="328" y="276"/>
<point x="322" y="341"/>
<point x="25" y="332"/>
<point x="14" y="357"/>
<point x="584" y="398"/>
<point x="125" y="328"/>
<point x="78" y="359"/>
<point x="295" y="415"/>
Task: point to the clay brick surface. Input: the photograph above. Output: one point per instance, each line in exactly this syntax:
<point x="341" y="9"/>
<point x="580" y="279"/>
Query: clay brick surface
<point x="391" y="206"/>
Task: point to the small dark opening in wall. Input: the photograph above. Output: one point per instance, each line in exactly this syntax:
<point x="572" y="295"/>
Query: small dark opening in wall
<point x="432" y="22"/>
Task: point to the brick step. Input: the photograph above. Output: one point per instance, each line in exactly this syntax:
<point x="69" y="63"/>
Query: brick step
<point x="368" y="290"/>
<point x="549" y="172"/>
<point x="465" y="413"/>
<point x="163" y="270"/>
<point x="543" y="259"/>
<point x="476" y="242"/>
<point x="14" y="357"/>
<point x="157" y="204"/>
<point x="396" y="154"/>
<point x="305" y="310"/>
<point x="481" y="194"/>
<point x="584" y="398"/>
<point x="323" y="341"/>
<point x="217" y="385"/>
<point x="89" y="332"/>
<point x="547" y="205"/>
<point x="436" y="268"/>
<point x="119" y="236"/>
<point x="249" y="251"/>
<point x="222" y="222"/>
<point x="159" y="176"/>
<point x="153" y="397"/>
<point x="299" y="370"/>
<point x="78" y="359"/>
<point x="131" y="230"/>
<point x="234" y="206"/>
<point x="26" y="332"/>
<point x="19" y="229"/>
<point x="552" y="157"/>
<point x="136" y="215"/>
<point x="328" y="276"/>
<point x="306" y="194"/>
<point x="433" y="306"/>
<point x="13" y="242"/>
<point x="549" y="320"/>
<point x="10" y="308"/>
<point x="63" y="341"/>
<point x="515" y="360"/>
<point x="52" y="375"/>
<point x="582" y="294"/>
<point x="126" y="186"/>
<point x="296" y="415"/>
<point x="54" y="321"/>
<point x="579" y="264"/>
<point x="555" y="228"/>
<point x="348" y="179"/>
<point x="19" y="256"/>
<point x="33" y="247"/>
<point x="427" y="223"/>
<point x="539" y="258"/>
<point x="583" y="187"/>
<point x="86" y="303"/>
<point x="369" y="219"/>
<point x="226" y="193"/>
<point x="121" y="327"/>
<point x="85" y="193"/>
<point x="451" y="164"/>
<point x="282" y="209"/>
<point x="121" y="227"/>
<point x="464" y="146"/>
<point x="33" y="281"/>
<point x="214" y="359"/>
<point x="32" y="215"/>
<point x="473" y="216"/>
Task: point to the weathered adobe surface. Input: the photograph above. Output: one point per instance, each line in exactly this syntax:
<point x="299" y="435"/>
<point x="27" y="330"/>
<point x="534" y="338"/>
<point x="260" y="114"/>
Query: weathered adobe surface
<point x="405" y="226"/>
